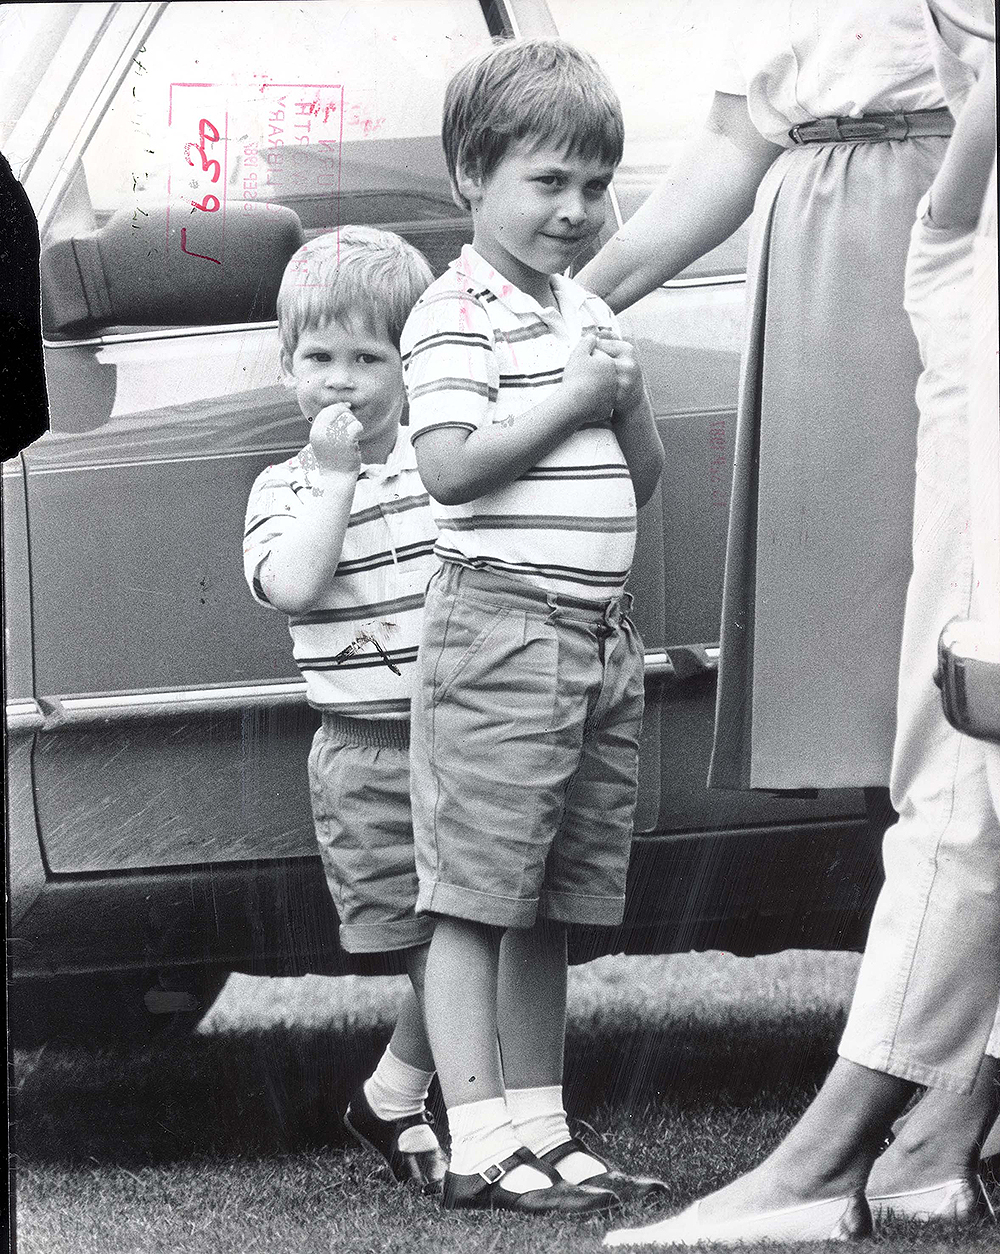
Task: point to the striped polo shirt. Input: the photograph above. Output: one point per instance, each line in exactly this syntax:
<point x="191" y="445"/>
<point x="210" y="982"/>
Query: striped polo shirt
<point x="477" y="350"/>
<point x="356" y="650"/>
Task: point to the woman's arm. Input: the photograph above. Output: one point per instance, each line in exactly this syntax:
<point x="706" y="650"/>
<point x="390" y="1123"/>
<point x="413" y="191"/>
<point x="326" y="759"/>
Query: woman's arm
<point x="956" y="197"/>
<point x="708" y="193"/>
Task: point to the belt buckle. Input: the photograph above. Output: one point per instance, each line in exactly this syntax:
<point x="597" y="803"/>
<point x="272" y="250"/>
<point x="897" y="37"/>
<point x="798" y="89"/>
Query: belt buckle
<point x="861" y="128"/>
<point x="815" y="132"/>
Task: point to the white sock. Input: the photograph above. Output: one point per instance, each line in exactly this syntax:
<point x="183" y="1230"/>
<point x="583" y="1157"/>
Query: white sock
<point x="395" y="1090"/>
<point x="538" y="1118"/>
<point x="481" y="1135"/>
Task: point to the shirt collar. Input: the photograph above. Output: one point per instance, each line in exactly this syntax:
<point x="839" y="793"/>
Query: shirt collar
<point x="401" y="458"/>
<point x="478" y="269"/>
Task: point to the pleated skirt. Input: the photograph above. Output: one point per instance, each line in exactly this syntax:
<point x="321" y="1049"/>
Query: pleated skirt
<point x="818" y="553"/>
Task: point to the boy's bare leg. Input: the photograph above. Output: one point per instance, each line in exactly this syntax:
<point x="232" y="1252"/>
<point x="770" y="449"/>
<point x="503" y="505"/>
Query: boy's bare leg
<point x="409" y="1038"/>
<point x="941" y="1138"/>
<point x="460" y="1004"/>
<point x="531" y="1015"/>
<point x="388" y="1113"/>
<point x="460" y="999"/>
<point x="531" y="1005"/>
<point x="398" y="1087"/>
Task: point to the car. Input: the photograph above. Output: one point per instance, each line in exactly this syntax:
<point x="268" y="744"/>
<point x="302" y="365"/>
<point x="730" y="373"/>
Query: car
<point x="158" y="816"/>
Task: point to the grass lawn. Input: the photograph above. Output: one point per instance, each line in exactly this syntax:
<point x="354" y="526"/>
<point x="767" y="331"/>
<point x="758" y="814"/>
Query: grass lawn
<point x="229" y="1141"/>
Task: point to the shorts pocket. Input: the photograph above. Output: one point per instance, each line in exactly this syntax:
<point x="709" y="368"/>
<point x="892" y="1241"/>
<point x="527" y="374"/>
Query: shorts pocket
<point x="454" y="634"/>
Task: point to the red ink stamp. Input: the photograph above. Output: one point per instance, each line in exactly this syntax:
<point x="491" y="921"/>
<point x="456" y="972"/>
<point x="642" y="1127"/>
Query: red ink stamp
<point x="718" y="462"/>
<point x="247" y="147"/>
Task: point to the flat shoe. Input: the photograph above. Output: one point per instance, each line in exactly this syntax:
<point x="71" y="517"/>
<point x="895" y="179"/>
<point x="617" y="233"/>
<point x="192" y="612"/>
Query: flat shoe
<point x="960" y="1201"/>
<point x="837" y="1219"/>
<point x="484" y="1191"/>
<point x="424" y="1169"/>
<point x="627" y="1188"/>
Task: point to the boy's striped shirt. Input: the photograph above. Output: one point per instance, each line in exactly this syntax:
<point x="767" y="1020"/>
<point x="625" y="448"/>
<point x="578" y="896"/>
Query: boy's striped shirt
<point x="356" y="651"/>
<point x="477" y="350"/>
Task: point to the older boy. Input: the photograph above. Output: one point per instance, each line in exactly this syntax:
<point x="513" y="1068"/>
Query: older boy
<point x="341" y="539"/>
<point x="535" y="439"/>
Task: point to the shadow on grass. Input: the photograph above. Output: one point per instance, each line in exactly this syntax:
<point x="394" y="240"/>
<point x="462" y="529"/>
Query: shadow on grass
<point x="285" y="1089"/>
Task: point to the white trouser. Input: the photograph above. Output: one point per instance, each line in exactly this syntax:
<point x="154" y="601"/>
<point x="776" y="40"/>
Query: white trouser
<point x="925" y="1006"/>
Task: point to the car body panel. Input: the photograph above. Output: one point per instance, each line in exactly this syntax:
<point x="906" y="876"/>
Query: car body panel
<point x="26" y="870"/>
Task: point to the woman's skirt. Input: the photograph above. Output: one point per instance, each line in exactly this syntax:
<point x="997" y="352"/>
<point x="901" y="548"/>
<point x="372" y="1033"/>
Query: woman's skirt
<point x="818" y="554"/>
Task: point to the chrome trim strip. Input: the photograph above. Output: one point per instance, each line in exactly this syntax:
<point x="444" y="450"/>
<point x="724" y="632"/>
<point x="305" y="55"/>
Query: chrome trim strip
<point x="708" y="280"/>
<point x="615" y="207"/>
<point x="23" y="717"/>
<point x="658" y="666"/>
<point x="55" y="713"/>
<point x="62" y="712"/>
<point x="168" y="333"/>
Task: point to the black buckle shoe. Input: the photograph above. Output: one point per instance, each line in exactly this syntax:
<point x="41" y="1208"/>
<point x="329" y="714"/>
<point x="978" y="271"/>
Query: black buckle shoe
<point x="485" y="1191"/>
<point x="425" y="1169"/>
<point x="628" y="1188"/>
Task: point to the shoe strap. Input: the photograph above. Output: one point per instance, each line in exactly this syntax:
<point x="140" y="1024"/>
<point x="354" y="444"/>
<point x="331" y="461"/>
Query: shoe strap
<point x="573" y="1146"/>
<point x="521" y="1157"/>
<point x="413" y="1121"/>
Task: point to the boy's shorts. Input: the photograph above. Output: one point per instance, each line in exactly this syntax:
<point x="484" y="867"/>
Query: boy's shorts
<point x="359" y="778"/>
<point x="526" y="720"/>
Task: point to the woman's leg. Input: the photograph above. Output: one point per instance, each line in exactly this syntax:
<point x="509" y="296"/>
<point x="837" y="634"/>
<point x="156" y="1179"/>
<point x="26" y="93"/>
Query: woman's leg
<point x="829" y="1152"/>
<point x="941" y="1138"/>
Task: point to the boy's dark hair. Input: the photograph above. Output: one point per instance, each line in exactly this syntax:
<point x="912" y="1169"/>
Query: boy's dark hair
<point x="356" y="273"/>
<point x="543" y="90"/>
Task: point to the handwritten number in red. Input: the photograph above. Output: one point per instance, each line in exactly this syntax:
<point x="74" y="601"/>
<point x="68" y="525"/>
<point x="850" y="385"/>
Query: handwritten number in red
<point x="185" y="249"/>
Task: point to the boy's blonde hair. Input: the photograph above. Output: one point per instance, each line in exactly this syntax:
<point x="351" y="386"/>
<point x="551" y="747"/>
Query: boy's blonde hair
<point x="542" y="90"/>
<point x="356" y="273"/>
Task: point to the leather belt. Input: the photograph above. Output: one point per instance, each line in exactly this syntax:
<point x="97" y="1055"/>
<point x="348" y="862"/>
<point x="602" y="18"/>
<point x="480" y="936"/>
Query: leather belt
<point x="871" y="127"/>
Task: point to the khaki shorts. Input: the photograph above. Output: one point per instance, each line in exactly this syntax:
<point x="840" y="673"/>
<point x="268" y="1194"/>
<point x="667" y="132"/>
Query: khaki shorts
<point x="524" y="757"/>
<point x="359" y="778"/>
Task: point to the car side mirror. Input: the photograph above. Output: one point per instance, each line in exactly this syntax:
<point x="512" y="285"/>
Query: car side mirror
<point x="163" y="267"/>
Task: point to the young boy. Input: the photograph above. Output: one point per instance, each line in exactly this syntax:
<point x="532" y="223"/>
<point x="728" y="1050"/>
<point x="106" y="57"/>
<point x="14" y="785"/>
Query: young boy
<point x="536" y="442"/>
<point x="340" y="538"/>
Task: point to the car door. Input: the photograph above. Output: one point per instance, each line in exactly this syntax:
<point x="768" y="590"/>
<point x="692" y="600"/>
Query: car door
<point x="170" y="728"/>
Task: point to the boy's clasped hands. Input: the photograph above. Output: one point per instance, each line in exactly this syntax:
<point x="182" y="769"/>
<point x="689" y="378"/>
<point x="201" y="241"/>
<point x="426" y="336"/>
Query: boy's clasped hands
<point x="607" y="373"/>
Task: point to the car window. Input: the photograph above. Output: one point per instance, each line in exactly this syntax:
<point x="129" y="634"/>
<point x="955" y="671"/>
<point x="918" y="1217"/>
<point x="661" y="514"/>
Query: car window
<point x="317" y="106"/>
<point x="661" y="57"/>
<point x="240" y="129"/>
<point x="330" y="108"/>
